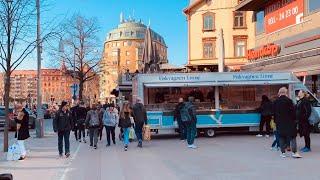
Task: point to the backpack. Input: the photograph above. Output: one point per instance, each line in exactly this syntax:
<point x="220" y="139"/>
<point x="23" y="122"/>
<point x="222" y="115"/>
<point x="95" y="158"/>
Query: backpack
<point x="184" y="113"/>
<point x="314" y="116"/>
<point x="94" y="119"/>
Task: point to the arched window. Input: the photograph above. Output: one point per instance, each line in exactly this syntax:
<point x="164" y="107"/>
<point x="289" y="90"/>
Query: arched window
<point x="208" y="21"/>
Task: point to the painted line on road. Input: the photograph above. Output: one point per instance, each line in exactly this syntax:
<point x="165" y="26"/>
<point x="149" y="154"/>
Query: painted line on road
<point x="66" y="170"/>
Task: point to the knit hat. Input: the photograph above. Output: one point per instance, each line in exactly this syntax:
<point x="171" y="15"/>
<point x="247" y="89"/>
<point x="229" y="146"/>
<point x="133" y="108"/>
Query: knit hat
<point x="64" y="103"/>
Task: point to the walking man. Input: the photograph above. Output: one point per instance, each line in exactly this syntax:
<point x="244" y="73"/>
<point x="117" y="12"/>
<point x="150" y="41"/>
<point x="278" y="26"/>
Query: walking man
<point x="284" y="116"/>
<point x="189" y="118"/>
<point x="93" y="123"/>
<point x="81" y="114"/>
<point x="62" y="124"/>
<point x="140" y="118"/>
<point x="110" y="121"/>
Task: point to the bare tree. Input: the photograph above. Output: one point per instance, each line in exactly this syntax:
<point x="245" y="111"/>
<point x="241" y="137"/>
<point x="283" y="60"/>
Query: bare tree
<point x="81" y="49"/>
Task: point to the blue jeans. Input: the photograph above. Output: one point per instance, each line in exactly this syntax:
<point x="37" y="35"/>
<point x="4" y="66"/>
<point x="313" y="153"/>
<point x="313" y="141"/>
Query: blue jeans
<point x="64" y="135"/>
<point x="138" y="131"/>
<point x="276" y="141"/>
<point x="126" y="132"/>
<point x="191" y="132"/>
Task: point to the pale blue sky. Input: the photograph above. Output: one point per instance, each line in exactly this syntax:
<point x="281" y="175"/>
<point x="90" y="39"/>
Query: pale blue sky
<point x="166" y="18"/>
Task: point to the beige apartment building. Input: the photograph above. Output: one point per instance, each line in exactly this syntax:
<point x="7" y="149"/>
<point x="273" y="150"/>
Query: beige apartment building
<point x="123" y="51"/>
<point x="205" y="19"/>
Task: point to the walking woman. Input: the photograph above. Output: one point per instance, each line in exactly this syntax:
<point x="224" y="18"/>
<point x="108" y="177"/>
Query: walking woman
<point x="110" y="121"/>
<point x="266" y="111"/>
<point x="22" y="121"/>
<point x="125" y="124"/>
<point x="303" y="113"/>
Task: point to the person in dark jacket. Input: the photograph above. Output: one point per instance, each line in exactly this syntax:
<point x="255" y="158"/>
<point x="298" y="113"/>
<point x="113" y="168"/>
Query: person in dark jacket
<point x="125" y="124"/>
<point x="303" y="111"/>
<point x="22" y="121"/>
<point x="62" y="124"/>
<point x="265" y="110"/>
<point x="140" y="118"/>
<point x="73" y="112"/>
<point x="93" y="122"/>
<point x="81" y="115"/>
<point x="177" y="117"/>
<point x="191" y="126"/>
<point x="284" y="117"/>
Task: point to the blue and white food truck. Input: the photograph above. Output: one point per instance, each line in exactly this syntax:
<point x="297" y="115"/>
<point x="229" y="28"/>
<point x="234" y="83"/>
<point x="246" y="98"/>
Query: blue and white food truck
<point x="224" y="101"/>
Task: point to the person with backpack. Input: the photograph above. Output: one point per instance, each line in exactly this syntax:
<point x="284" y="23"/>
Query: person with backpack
<point x="81" y="115"/>
<point x="93" y="123"/>
<point x="125" y="124"/>
<point x="303" y="111"/>
<point x="110" y="121"/>
<point x="177" y="117"/>
<point x="63" y="124"/>
<point x="266" y="112"/>
<point x="140" y="119"/>
<point x="189" y="118"/>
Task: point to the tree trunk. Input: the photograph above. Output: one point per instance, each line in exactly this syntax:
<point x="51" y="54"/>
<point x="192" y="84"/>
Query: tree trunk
<point x="81" y="90"/>
<point x="6" y="104"/>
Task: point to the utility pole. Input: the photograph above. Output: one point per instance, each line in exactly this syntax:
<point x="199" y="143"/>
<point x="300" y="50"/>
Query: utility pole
<point x="39" y="124"/>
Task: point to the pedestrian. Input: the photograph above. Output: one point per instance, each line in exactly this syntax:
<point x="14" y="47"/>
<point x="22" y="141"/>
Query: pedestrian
<point x="303" y="111"/>
<point x="125" y="124"/>
<point x="101" y="112"/>
<point x="284" y="116"/>
<point x="177" y="117"/>
<point x="93" y="123"/>
<point x="265" y="110"/>
<point x="110" y="121"/>
<point x="62" y="124"/>
<point x="22" y="134"/>
<point x="73" y="111"/>
<point x="81" y="115"/>
<point x="189" y="118"/>
<point x="140" y="119"/>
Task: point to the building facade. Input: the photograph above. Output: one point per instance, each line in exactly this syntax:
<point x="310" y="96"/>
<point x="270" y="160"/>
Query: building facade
<point x="205" y="19"/>
<point x="123" y="51"/>
<point x="287" y="38"/>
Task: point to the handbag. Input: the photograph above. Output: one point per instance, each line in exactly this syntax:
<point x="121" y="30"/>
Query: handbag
<point x="14" y="152"/>
<point x="146" y="133"/>
<point x="314" y="116"/>
<point x="132" y="134"/>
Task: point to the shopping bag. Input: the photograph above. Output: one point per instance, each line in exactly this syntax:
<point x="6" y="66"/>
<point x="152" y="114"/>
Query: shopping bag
<point x="132" y="134"/>
<point x="314" y="116"/>
<point x="146" y="133"/>
<point x="14" y="152"/>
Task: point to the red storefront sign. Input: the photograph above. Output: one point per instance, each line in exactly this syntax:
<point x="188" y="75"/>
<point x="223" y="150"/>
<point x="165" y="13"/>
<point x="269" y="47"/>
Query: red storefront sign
<point x="264" y="51"/>
<point x="280" y="14"/>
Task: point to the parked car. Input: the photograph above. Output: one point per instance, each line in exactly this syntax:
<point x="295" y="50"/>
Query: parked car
<point x="2" y="115"/>
<point x="32" y="120"/>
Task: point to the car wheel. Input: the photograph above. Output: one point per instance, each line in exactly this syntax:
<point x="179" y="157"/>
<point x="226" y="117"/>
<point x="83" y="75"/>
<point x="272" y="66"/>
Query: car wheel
<point x="210" y="132"/>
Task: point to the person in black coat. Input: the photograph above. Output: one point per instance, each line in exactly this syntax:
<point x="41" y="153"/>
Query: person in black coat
<point x="303" y="112"/>
<point x="140" y="118"/>
<point x="22" y="121"/>
<point x="266" y="111"/>
<point x="284" y="117"/>
<point x="63" y="124"/>
<point x="81" y="115"/>
<point x="177" y="117"/>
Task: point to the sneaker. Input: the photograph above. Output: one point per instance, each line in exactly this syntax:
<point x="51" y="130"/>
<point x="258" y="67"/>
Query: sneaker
<point x="267" y="136"/>
<point x="114" y="142"/>
<point x="108" y="145"/>
<point x="95" y="147"/>
<point x="274" y="148"/>
<point x="91" y="145"/>
<point x="259" y="135"/>
<point x="140" y="144"/>
<point x="80" y="140"/>
<point x="125" y="148"/>
<point x="192" y="146"/>
<point x="296" y="155"/>
<point x="305" y="149"/>
<point x="21" y="158"/>
<point x="67" y="155"/>
<point x="283" y="155"/>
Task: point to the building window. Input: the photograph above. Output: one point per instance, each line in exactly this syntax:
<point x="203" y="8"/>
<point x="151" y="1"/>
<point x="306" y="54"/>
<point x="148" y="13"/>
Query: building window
<point x="208" y="21"/>
<point x="127" y="33"/>
<point x="239" y="19"/>
<point x="140" y="34"/>
<point x="259" y="22"/>
<point x="208" y="49"/>
<point x="118" y="44"/>
<point x="240" y="46"/>
<point x="314" y="5"/>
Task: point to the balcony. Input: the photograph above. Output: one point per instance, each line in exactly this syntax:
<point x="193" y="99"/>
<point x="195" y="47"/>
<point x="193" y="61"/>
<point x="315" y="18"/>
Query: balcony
<point x="126" y="79"/>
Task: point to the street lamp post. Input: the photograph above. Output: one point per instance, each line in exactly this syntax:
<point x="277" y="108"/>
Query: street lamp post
<point x="39" y="128"/>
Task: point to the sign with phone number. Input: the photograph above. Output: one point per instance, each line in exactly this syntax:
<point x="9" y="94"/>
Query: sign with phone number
<point x="283" y="13"/>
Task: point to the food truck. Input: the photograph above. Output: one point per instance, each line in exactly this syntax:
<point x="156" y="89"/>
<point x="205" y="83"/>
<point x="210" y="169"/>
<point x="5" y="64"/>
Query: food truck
<point x="224" y="101"/>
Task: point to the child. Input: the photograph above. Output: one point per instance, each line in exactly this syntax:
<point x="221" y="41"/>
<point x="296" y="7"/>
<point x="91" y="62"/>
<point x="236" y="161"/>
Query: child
<point x="275" y="145"/>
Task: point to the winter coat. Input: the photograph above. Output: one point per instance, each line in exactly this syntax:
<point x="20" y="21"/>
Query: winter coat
<point x="284" y="116"/>
<point x="81" y="114"/>
<point x="177" y="115"/>
<point x="140" y="114"/>
<point x="266" y="108"/>
<point x="92" y="119"/>
<point x="23" y="132"/>
<point x="125" y="122"/>
<point x="111" y="117"/>
<point x="62" y="121"/>
<point x="303" y="112"/>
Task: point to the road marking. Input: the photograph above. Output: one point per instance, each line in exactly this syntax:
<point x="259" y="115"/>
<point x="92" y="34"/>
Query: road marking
<point x="67" y="169"/>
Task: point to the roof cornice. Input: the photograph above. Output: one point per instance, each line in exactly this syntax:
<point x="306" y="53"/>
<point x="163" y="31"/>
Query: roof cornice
<point x="195" y="3"/>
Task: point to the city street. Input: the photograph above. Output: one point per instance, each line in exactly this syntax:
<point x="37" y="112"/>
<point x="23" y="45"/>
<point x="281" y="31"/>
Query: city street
<point x="223" y="157"/>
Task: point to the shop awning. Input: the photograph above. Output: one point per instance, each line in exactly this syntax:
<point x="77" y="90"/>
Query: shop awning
<point x="251" y="5"/>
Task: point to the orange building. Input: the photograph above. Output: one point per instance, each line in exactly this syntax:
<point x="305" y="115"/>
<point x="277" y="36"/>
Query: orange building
<point x="123" y="50"/>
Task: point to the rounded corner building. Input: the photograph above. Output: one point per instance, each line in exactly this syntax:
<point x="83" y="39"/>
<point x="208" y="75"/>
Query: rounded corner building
<point x="123" y="53"/>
